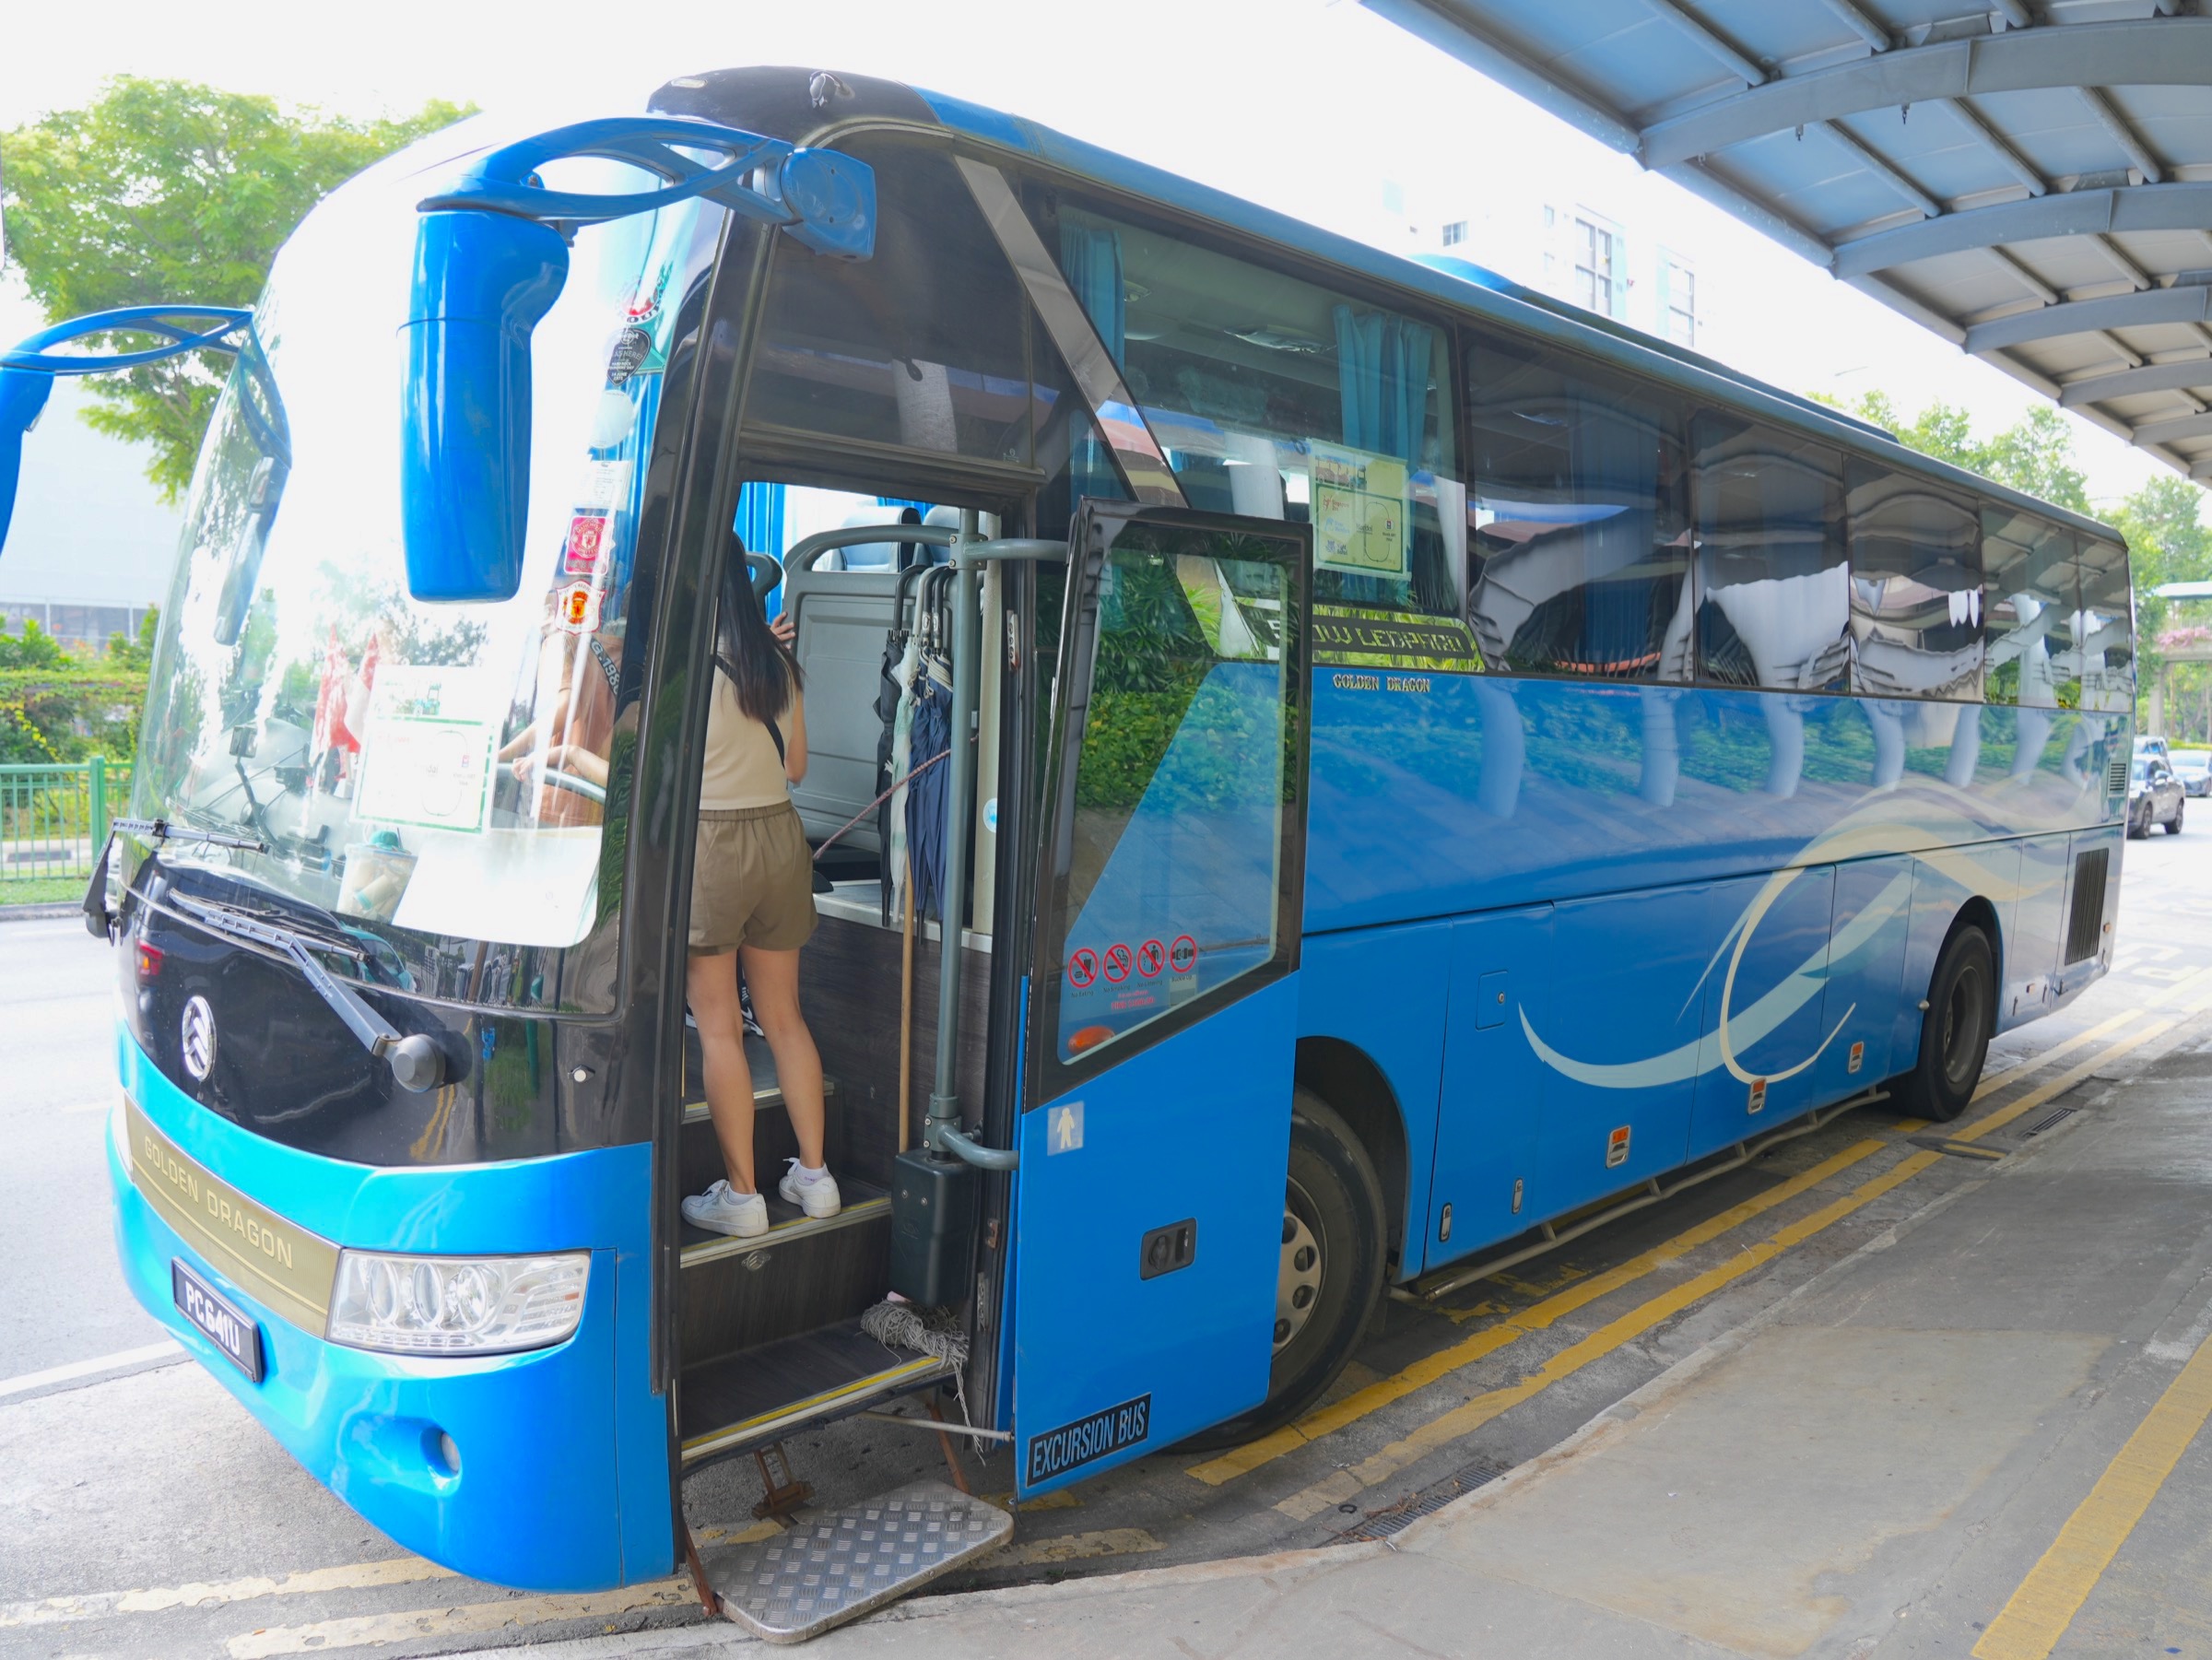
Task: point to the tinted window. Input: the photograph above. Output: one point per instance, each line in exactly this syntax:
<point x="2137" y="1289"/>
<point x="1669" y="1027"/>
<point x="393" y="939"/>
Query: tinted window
<point x="920" y="346"/>
<point x="2027" y="603"/>
<point x="1271" y="394"/>
<point x="2106" y="628"/>
<point x="1915" y="588"/>
<point x="1773" y="593"/>
<point x="1577" y="509"/>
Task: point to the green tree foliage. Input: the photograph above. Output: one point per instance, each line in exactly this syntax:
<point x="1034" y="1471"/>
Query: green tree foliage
<point x="163" y="190"/>
<point x="2035" y="453"/>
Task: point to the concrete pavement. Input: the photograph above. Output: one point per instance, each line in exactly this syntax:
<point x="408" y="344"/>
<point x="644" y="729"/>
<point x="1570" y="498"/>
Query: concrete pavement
<point x="1878" y="1464"/>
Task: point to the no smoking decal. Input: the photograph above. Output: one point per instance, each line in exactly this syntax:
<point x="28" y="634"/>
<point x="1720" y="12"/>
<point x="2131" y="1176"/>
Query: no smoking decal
<point x="1118" y="963"/>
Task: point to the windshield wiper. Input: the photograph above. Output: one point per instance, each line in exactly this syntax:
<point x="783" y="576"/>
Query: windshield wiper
<point x="417" y="1063"/>
<point x="163" y="829"/>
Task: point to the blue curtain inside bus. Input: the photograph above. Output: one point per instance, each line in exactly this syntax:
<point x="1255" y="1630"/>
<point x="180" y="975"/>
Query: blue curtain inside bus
<point x="1090" y="258"/>
<point x="760" y="528"/>
<point x="1382" y="380"/>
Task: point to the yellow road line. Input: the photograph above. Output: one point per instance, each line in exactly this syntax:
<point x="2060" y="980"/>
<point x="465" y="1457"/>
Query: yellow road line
<point x="2061" y="1083"/>
<point x="1442" y="1431"/>
<point x="1428" y="1369"/>
<point x="511" y="1614"/>
<point x="2037" y="1615"/>
<point x="2041" y="1058"/>
<point x="2188" y="983"/>
<point x="95" y="1605"/>
<point x="1079" y="1547"/>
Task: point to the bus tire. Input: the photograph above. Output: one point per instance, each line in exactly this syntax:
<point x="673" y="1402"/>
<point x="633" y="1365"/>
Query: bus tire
<point x="1333" y="1262"/>
<point x="1955" y="1031"/>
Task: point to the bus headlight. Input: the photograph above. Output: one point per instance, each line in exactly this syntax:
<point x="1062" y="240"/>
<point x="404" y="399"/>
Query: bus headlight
<point x="457" y="1305"/>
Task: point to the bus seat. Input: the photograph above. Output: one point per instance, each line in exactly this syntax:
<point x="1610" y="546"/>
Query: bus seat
<point x="843" y="614"/>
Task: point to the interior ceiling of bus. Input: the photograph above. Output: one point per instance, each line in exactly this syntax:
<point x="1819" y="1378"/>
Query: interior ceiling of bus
<point x="2031" y="180"/>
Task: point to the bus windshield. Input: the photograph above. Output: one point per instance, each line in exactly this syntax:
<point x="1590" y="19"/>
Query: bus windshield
<point x="428" y="772"/>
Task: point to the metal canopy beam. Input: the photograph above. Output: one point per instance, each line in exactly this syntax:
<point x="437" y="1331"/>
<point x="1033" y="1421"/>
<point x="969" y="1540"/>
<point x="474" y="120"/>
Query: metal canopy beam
<point x="2147" y="307"/>
<point x="2064" y="213"/>
<point x="2186" y="425"/>
<point x="2132" y="382"/>
<point x="2149" y="51"/>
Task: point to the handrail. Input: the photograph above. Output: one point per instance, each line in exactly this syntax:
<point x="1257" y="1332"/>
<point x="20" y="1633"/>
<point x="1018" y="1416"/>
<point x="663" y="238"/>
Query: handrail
<point x="807" y="550"/>
<point x="941" y="1132"/>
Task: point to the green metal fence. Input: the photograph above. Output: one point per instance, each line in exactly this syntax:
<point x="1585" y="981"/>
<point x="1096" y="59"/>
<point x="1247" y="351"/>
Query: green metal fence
<point x="53" y="820"/>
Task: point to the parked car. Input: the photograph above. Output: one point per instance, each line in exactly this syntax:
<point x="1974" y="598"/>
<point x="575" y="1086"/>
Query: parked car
<point x="2195" y="767"/>
<point x="2154" y="796"/>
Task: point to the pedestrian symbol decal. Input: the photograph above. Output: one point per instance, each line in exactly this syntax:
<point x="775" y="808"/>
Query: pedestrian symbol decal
<point x="1183" y="956"/>
<point x="1151" y="957"/>
<point x="1118" y="961"/>
<point x="1083" y="968"/>
<point x="1064" y="1128"/>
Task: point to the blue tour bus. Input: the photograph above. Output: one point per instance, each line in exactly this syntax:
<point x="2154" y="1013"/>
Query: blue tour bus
<point x="1438" y="768"/>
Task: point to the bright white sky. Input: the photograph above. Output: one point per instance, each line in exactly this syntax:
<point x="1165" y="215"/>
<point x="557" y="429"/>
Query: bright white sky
<point x="1304" y="105"/>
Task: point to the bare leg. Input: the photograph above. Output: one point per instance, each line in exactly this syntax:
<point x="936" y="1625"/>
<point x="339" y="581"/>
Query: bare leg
<point x="711" y="983"/>
<point x="775" y="979"/>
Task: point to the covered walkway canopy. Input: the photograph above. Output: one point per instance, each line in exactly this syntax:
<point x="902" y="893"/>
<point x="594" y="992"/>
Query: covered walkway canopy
<point x="2030" y="178"/>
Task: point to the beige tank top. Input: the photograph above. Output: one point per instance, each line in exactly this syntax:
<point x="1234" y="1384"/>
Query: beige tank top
<point x="743" y="768"/>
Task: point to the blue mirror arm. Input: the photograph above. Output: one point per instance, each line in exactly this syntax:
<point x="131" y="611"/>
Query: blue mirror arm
<point x="27" y="372"/>
<point x="36" y="354"/>
<point x="826" y="200"/>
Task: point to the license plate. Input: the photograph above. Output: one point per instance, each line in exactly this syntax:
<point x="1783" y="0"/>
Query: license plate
<point x="223" y="1326"/>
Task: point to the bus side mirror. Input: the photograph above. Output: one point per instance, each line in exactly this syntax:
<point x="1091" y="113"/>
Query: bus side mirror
<point x="481" y="283"/>
<point x="22" y="394"/>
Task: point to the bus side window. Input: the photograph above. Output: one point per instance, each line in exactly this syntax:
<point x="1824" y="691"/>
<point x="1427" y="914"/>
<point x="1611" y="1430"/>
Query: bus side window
<point x="1578" y="511"/>
<point x="1258" y="384"/>
<point x="1915" y="588"/>
<point x="2028" y="601"/>
<point x="2107" y="629"/>
<point x="1773" y="591"/>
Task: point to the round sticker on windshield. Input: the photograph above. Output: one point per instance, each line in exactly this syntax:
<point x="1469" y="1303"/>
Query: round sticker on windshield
<point x="576" y="607"/>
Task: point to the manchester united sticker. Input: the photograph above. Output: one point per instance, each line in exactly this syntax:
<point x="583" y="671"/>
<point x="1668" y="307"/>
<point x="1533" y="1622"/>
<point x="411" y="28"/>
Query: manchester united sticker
<point x="576" y="609"/>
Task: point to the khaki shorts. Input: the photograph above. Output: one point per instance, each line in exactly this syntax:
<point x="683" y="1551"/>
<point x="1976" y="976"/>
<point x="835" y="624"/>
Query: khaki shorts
<point x="752" y="881"/>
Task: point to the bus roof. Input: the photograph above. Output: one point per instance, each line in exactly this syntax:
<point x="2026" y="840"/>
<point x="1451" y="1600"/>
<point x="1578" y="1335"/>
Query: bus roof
<point x="1471" y="288"/>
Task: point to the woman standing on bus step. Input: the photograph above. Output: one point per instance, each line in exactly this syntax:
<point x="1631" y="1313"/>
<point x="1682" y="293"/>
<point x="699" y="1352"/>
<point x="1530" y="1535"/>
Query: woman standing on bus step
<point x="752" y="898"/>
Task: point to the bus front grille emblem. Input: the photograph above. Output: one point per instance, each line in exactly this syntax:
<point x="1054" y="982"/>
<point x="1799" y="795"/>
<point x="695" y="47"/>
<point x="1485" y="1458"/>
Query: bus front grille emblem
<point x="198" y="1034"/>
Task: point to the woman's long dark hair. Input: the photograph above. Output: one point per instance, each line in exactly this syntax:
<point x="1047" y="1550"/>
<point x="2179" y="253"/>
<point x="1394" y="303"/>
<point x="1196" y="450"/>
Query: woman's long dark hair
<point x="762" y="671"/>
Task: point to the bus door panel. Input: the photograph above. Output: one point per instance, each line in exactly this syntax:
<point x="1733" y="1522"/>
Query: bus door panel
<point x="2032" y="944"/>
<point x="1621" y="1044"/>
<point x="1490" y="1180"/>
<point x="1164" y="993"/>
<point x="1865" y="974"/>
<point x="1758" y="1059"/>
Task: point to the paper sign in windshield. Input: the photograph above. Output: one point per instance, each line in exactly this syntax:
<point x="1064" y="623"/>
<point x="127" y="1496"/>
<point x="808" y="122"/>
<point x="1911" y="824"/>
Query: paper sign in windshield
<point x="428" y="752"/>
<point x="1359" y="506"/>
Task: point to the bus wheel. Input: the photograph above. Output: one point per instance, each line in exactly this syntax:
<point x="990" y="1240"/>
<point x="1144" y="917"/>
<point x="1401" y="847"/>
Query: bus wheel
<point x="1955" y="1030"/>
<point x="1332" y="1267"/>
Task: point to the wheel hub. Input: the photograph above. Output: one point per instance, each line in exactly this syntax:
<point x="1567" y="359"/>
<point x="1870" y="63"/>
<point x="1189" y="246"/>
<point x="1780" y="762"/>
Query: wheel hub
<point x="1297" y="1282"/>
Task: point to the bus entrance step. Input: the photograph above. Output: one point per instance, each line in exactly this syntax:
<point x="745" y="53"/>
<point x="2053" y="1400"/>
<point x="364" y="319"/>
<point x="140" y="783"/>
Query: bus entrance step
<point x="845" y="1563"/>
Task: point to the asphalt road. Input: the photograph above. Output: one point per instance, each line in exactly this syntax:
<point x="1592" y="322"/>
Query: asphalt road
<point x="143" y="1512"/>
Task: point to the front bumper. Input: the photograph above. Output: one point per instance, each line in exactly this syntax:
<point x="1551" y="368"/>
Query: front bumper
<point x="563" y="1477"/>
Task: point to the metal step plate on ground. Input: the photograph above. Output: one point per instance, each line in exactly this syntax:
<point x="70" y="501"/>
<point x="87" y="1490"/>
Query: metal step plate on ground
<point x="845" y="1563"/>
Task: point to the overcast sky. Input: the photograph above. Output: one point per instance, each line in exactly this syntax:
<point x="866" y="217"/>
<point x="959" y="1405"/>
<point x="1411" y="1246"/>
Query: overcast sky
<point x="1305" y="105"/>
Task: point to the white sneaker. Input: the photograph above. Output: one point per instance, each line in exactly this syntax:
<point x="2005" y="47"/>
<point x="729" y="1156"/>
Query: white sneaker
<point x="816" y="1198"/>
<point x="721" y="1209"/>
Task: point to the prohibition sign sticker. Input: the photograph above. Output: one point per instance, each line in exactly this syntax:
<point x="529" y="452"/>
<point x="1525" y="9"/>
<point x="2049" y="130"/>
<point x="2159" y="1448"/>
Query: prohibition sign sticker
<point x="1117" y="963"/>
<point x="1151" y="957"/>
<point x="1083" y="968"/>
<point x="1183" y="956"/>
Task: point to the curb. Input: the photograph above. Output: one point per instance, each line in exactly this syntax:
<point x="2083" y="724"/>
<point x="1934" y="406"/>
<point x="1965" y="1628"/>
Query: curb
<point x="40" y="914"/>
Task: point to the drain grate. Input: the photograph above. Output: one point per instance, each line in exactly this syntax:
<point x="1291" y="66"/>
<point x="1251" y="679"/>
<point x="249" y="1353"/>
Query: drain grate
<point x="2050" y="1120"/>
<point x="1381" y="1523"/>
